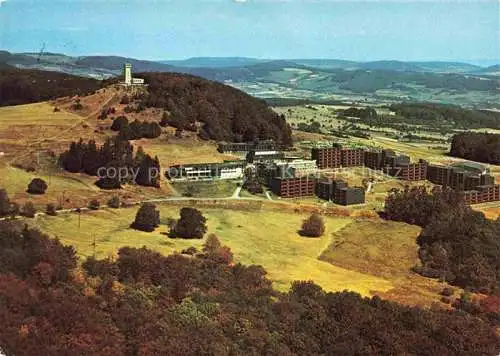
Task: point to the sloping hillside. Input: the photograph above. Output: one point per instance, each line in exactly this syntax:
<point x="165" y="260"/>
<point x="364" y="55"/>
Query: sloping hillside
<point x="226" y="114"/>
<point x="29" y="86"/>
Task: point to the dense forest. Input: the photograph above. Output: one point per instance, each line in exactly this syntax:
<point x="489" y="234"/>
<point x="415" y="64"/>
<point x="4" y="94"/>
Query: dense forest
<point x="454" y="116"/>
<point x="114" y="162"/>
<point x="28" y="86"/>
<point x="457" y="243"/>
<point x="482" y="147"/>
<point x="226" y="114"/>
<point x="144" y="303"/>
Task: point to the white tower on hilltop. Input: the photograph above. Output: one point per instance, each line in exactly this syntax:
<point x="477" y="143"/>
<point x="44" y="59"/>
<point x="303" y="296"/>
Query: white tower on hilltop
<point x="127" y="72"/>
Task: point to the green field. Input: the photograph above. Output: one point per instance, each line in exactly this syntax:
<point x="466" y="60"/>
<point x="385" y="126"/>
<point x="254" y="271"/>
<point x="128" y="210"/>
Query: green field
<point x="264" y="238"/>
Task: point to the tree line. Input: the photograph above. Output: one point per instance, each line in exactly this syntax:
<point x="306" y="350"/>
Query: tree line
<point x="454" y="116"/>
<point x="115" y="156"/>
<point x="28" y="86"/>
<point x="457" y="244"/>
<point x="136" y="129"/>
<point x="200" y="302"/>
<point x="482" y="147"/>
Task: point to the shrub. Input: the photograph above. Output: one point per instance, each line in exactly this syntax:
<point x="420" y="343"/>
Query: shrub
<point x="94" y="204"/>
<point x="108" y="183"/>
<point x="37" y="186"/>
<point x="191" y="225"/>
<point x="119" y="123"/>
<point x="447" y="292"/>
<point x="313" y="226"/>
<point x="51" y="209"/>
<point x="125" y="100"/>
<point x="114" y="202"/>
<point x="190" y="251"/>
<point x="147" y="218"/>
<point x="15" y="210"/>
<point x="5" y="207"/>
<point x="29" y="210"/>
<point x="191" y="190"/>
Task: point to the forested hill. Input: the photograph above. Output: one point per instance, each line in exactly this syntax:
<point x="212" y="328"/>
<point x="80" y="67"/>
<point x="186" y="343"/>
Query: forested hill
<point x="28" y="86"/>
<point x="226" y="113"/>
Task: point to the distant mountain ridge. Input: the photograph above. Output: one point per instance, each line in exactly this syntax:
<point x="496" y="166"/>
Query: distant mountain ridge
<point x="317" y="79"/>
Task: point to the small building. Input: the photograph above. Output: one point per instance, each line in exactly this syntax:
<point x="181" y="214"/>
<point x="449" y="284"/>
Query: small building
<point x="328" y="190"/>
<point x="245" y="147"/>
<point x="207" y="171"/>
<point x="264" y="156"/>
<point x="350" y="196"/>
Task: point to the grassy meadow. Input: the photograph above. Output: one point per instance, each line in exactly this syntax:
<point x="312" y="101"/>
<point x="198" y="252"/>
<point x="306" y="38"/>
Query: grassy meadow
<point x="264" y="238"/>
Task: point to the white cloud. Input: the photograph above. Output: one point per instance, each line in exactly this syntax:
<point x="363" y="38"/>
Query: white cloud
<point x="2" y="1"/>
<point x="236" y="1"/>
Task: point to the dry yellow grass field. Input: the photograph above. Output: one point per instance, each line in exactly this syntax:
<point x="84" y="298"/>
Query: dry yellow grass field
<point x="265" y="238"/>
<point x="384" y="249"/>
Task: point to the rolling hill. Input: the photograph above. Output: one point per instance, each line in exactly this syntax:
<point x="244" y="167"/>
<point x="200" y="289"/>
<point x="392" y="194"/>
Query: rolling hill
<point x="311" y="79"/>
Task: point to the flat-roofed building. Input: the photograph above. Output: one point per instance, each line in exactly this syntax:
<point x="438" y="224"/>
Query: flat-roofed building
<point x="296" y="168"/>
<point x="439" y="174"/>
<point x="293" y="187"/>
<point x="350" y="196"/>
<point x="410" y="172"/>
<point x="373" y="159"/>
<point x="352" y="157"/>
<point x="330" y="157"/>
<point x="328" y="190"/>
<point x="207" y="171"/>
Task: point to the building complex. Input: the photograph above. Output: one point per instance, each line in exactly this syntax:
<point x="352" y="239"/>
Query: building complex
<point x="294" y="177"/>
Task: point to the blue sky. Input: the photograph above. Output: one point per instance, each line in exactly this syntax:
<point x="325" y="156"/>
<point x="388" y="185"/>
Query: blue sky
<point x="174" y="29"/>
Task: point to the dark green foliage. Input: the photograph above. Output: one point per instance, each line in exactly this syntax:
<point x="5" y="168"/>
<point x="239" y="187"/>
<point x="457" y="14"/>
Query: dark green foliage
<point x="115" y="156"/>
<point x="227" y="114"/>
<point x="77" y="105"/>
<point x="4" y="203"/>
<point x="363" y="113"/>
<point x="125" y="100"/>
<point x="28" y="86"/>
<point x="482" y="147"/>
<point x="453" y="116"/>
<point x="191" y="190"/>
<point x="417" y="205"/>
<point x="313" y="226"/>
<point x="37" y="186"/>
<point x="164" y="119"/>
<point x="149" y="304"/>
<point x="114" y="202"/>
<point x="147" y="218"/>
<point x="106" y="112"/>
<point x="109" y="183"/>
<point x="51" y="210"/>
<point x="94" y="204"/>
<point x="191" y="225"/>
<point x="457" y="244"/>
<point x="28" y="210"/>
<point x="137" y="130"/>
<point x="314" y="127"/>
<point x="118" y="123"/>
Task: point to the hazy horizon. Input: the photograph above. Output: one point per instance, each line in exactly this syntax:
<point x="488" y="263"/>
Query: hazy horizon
<point x="455" y="31"/>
